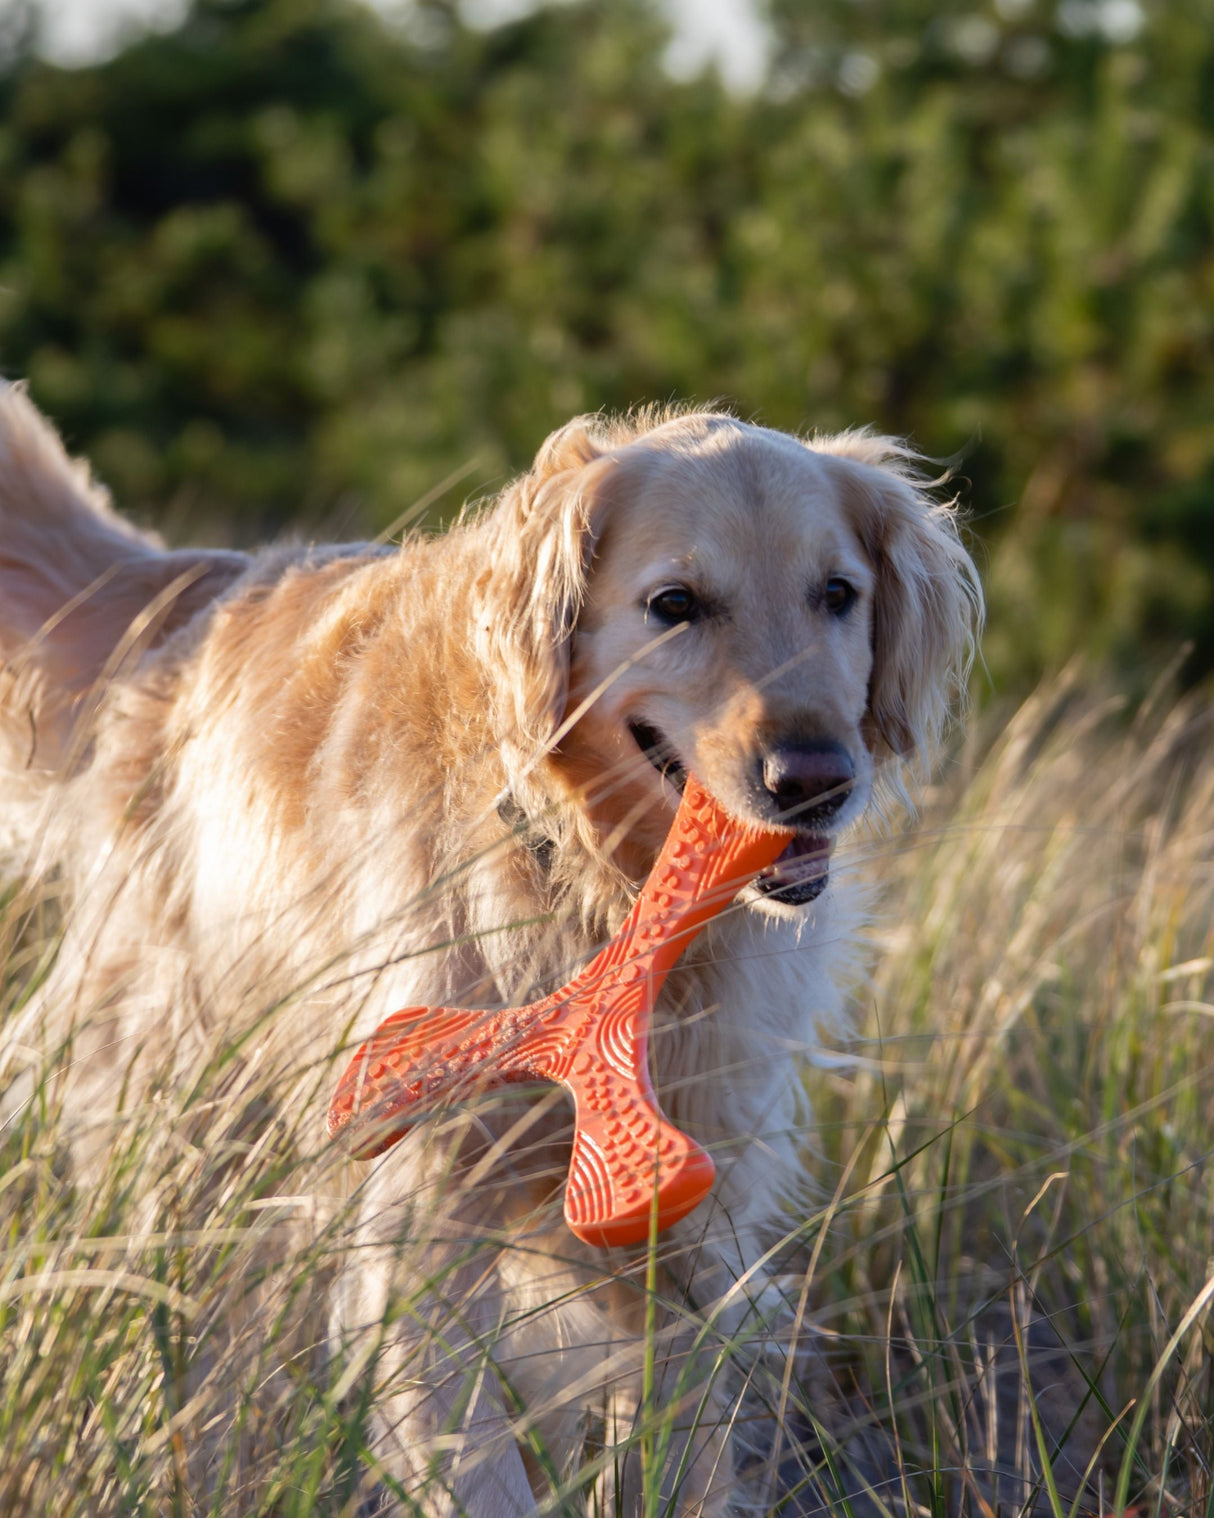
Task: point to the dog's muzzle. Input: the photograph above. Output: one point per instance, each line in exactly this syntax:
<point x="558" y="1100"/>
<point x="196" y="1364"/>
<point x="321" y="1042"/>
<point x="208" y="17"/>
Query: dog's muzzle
<point x="808" y="784"/>
<point x="805" y="783"/>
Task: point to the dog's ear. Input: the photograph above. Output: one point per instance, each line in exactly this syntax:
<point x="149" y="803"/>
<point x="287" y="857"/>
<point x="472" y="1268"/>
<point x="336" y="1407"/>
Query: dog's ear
<point x="927" y="605"/>
<point x="540" y="539"/>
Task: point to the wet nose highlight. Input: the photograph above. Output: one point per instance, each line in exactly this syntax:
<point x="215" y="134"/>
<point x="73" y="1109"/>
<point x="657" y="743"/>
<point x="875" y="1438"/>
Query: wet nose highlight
<point x="813" y="778"/>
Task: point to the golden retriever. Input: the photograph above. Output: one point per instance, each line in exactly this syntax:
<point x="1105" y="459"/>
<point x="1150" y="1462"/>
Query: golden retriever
<point x="351" y="779"/>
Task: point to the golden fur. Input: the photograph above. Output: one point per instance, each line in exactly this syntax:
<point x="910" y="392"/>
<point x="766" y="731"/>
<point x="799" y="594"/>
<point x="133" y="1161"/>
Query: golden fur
<point x="358" y="779"/>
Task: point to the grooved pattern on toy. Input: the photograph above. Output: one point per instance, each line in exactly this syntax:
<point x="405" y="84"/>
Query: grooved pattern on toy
<point x="591" y="1036"/>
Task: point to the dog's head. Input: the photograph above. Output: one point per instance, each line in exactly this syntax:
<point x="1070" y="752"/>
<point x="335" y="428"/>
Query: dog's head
<point x="782" y="618"/>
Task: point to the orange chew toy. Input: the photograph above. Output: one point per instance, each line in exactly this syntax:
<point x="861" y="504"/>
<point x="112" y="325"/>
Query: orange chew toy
<point x="592" y="1036"/>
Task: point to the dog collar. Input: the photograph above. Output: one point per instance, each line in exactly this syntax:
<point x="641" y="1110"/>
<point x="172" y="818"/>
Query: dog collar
<point x="533" y="838"/>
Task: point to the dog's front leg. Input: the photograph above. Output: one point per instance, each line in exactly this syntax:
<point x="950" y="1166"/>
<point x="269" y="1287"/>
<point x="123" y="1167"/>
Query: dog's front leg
<point x="751" y="1314"/>
<point x="770" y="1356"/>
<point x="418" y="1311"/>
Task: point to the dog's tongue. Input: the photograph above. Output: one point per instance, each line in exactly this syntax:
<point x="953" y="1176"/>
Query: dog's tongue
<point x="806" y="849"/>
<point x="800" y="873"/>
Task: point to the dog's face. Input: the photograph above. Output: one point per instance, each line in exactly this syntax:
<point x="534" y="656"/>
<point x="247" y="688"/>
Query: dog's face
<point x="727" y="630"/>
<point x="704" y="595"/>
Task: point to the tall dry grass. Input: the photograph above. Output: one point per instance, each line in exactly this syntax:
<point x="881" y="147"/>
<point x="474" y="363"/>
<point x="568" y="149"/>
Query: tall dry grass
<point x="1029" y="1142"/>
<point x="1007" y="1277"/>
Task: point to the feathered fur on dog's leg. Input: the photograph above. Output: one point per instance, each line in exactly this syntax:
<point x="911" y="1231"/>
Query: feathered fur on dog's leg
<point x="80" y="591"/>
<point x="422" y="1309"/>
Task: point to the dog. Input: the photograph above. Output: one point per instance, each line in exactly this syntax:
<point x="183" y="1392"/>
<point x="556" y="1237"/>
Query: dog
<point x="290" y="792"/>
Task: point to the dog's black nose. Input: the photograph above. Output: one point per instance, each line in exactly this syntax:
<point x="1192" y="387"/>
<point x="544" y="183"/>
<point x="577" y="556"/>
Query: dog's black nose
<point x="808" y="781"/>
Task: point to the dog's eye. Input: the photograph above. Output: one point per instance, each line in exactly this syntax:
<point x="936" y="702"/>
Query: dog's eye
<point x="838" y="596"/>
<point x="673" y="604"/>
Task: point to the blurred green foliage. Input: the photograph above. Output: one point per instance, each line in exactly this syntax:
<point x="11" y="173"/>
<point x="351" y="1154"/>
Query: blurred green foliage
<point x="291" y="263"/>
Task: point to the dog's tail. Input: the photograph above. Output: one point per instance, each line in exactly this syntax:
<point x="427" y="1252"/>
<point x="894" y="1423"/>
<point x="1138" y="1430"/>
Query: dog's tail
<point x="81" y="591"/>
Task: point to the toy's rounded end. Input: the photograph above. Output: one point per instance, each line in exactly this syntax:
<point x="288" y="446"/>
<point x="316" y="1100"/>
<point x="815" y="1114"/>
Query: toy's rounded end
<point x="612" y="1210"/>
<point x="373" y="1133"/>
<point x="416" y="1053"/>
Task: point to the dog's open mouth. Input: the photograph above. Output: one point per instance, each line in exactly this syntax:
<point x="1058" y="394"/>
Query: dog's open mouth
<point x="799" y="875"/>
<point x="660" y="753"/>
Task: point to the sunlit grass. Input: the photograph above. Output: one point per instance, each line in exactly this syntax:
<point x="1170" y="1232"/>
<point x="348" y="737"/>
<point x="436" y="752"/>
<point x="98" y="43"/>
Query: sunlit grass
<point x="1031" y="1140"/>
<point x="1017" y="1192"/>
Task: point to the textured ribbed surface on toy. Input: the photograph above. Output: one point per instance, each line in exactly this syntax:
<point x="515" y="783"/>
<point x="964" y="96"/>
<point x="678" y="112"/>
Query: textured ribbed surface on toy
<point x="592" y="1036"/>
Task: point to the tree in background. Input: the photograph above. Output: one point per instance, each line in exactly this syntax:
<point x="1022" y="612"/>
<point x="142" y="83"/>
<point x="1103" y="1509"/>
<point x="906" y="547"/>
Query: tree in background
<point x="288" y="263"/>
